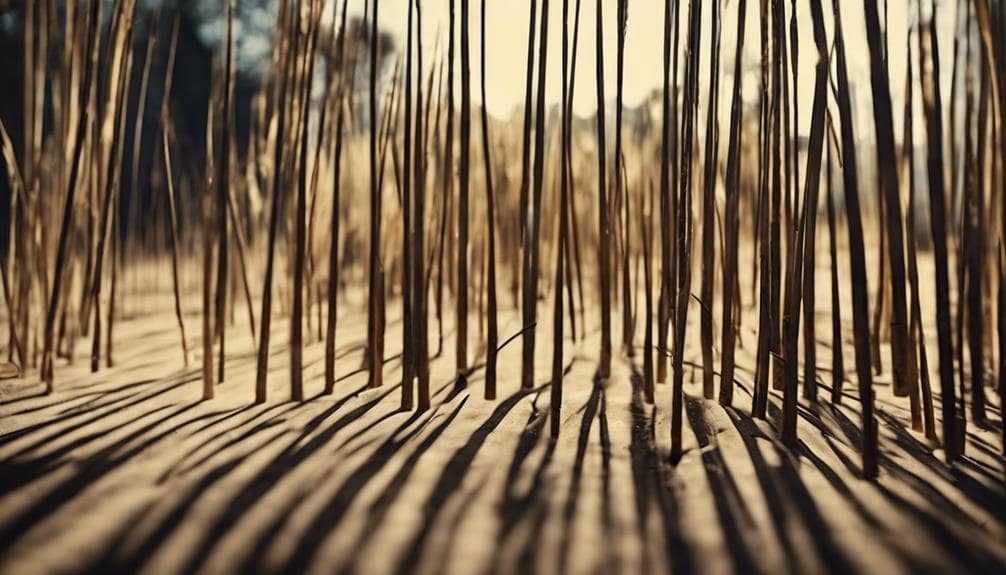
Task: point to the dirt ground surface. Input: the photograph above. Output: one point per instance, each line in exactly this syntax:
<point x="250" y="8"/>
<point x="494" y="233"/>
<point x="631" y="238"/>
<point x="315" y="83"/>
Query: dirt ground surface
<point x="127" y="470"/>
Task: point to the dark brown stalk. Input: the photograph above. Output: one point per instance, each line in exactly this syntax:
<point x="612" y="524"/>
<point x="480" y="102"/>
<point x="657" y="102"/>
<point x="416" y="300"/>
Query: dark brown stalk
<point x="448" y="206"/>
<point x="333" y="254"/>
<point x="408" y="391"/>
<point x="1001" y="65"/>
<point x="810" y="248"/>
<point x="888" y="174"/>
<point x="974" y="251"/>
<point x="907" y="163"/>
<point x="691" y="88"/>
<point x="529" y="293"/>
<point x="574" y="229"/>
<point x="527" y="374"/>
<point x="709" y="209"/>
<point x="375" y="289"/>
<point x="776" y="164"/>
<point x="916" y="336"/>
<point x="646" y="240"/>
<point x="568" y="264"/>
<point x="731" y="221"/>
<point x="557" y="332"/>
<point x="461" y="327"/>
<point x="759" y="400"/>
<point x="933" y="104"/>
<point x="620" y="202"/>
<point x="837" y="358"/>
<point x="787" y="159"/>
<point x="115" y="256"/>
<point x="433" y="132"/>
<point x="492" y="339"/>
<point x="205" y="208"/>
<point x="794" y="47"/>
<point x="223" y="192"/>
<point x="860" y="298"/>
<point x="114" y="217"/>
<point x="297" y="321"/>
<point x="664" y="299"/>
<point x="480" y="283"/>
<point x="675" y="158"/>
<point x="603" y="251"/>
<point x="282" y="79"/>
<point x="446" y="209"/>
<point x="882" y="289"/>
<point x="1002" y="330"/>
<point x="960" y="23"/>
<point x="421" y="355"/>
<point x="799" y="277"/>
<point x="959" y="215"/>
<point x="322" y="129"/>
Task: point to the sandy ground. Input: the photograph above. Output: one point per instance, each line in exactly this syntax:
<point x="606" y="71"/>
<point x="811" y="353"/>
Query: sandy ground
<point x="126" y="470"/>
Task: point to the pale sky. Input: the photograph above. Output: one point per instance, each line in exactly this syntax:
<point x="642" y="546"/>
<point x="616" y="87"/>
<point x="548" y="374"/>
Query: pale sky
<point x="507" y="27"/>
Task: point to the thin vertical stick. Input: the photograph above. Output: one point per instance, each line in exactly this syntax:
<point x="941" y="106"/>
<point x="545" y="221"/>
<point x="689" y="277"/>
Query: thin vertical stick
<point x="663" y="299"/>
<point x="29" y="88"/>
<point x="282" y="73"/>
<point x="17" y="194"/>
<point x="239" y="235"/>
<point x="837" y="358"/>
<point x="708" y="209"/>
<point x="684" y="228"/>
<point x="775" y="208"/>
<point x="557" y="333"/>
<point x="117" y="106"/>
<point x="799" y="276"/>
<point x="422" y="353"/>
<point x="908" y="164"/>
<point x="223" y="193"/>
<point x="974" y="250"/>
<point x="888" y="175"/>
<point x="929" y="53"/>
<point x="375" y="290"/>
<point x="916" y="335"/>
<point x="794" y="47"/>
<point x="623" y="15"/>
<point x="408" y="391"/>
<point x="731" y="220"/>
<point x="448" y="205"/>
<point x="759" y="401"/>
<point x="646" y="240"/>
<point x="531" y="295"/>
<point x="860" y="298"/>
<point x="492" y="336"/>
<point x="603" y="248"/>
<point x="574" y="229"/>
<point x="675" y="161"/>
<point x="173" y="227"/>
<point x="297" y="321"/>
<point x="461" y="321"/>
<point x="568" y="265"/>
<point x="208" y="390"/>
<point x="333" y="254"/>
